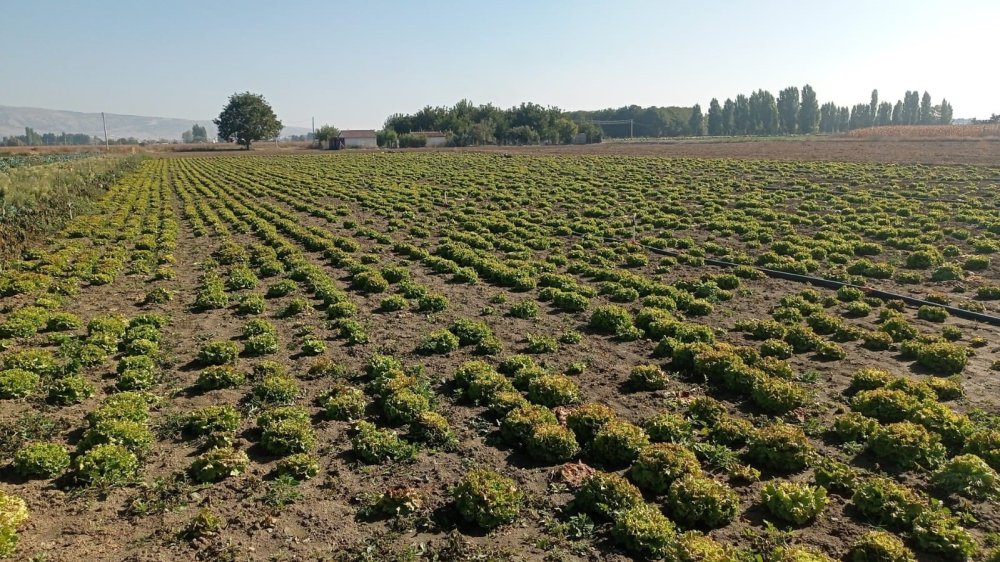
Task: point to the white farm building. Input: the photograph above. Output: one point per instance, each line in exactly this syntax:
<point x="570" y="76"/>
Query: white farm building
<point x="433" y="138"/>
<point x="357" y="138"/>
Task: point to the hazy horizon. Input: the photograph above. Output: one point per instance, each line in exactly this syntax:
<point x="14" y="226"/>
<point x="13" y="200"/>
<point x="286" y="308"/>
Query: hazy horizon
<point x="354" y="66"/>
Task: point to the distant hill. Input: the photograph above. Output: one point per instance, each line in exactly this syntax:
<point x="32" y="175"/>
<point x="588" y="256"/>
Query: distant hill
<point x="13" y="120"/>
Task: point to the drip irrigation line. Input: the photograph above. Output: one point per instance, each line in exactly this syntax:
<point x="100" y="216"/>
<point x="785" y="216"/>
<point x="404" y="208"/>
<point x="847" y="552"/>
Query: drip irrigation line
<point x="821" y="282"/>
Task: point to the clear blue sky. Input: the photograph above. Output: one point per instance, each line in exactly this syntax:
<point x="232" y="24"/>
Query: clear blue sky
<point x="354" y="63"/>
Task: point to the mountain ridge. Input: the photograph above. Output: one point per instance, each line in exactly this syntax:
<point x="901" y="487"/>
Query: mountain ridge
<point x="13" y="120"/>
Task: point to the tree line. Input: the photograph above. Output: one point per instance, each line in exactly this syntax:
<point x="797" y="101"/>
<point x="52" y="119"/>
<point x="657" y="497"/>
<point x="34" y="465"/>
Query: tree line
<point x="792" y="111"/>
<point x="197" y="133"/>
<point x="34" y="138"/>
<point x="798" y="112"/>
<point x="467" y="124"/>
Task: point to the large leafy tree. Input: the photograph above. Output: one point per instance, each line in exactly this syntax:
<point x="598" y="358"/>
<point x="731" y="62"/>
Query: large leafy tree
<point x="247" y="118"/>
<point x="696" y="123"/>
<point x="788" y="109"/>
<point x="715" y="121"/>
<point x="808" y="111"/>
<point x="327" y="132"/>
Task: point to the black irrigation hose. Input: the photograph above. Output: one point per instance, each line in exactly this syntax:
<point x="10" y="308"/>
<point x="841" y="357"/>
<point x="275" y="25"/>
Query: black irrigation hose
<point x="827" y="283"/>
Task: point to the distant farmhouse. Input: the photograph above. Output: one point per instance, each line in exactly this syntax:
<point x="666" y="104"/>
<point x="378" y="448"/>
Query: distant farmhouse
<point x="433" y="138"/>
<point x="357" y="138"/>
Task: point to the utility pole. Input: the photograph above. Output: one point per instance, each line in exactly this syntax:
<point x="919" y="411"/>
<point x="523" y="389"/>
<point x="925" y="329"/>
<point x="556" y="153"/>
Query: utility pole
<point x="107" y="146"/>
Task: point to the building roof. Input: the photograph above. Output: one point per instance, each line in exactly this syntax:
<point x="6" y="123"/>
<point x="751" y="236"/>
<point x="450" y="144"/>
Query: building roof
<point x="358" y="134"/>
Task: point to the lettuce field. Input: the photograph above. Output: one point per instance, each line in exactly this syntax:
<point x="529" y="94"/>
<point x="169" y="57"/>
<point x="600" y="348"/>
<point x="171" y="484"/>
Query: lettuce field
<point x="489" y="356"/>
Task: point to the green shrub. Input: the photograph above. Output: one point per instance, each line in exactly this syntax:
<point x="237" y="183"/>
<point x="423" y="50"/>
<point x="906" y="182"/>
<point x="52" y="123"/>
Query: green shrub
<point x="17" y="383"/>
<point x="731" y="430"/>
<point x="133" y="406"/>
<point x="70" y="390"/>
<point x="212" y="419"/>
<point x="524" y="309"/>
<point x="932" y="313"/>
<point x="300" y="466"/>
<point x="947" y="272"/>
<point x="648" y="377"/>
<point x="484" y="387"/>
<point x="432" y="429"/>
<point x="487" y="499"/>
<point x="605" y="494"/>
<point x="553" y="390"/>
<point x="274" y="415"/>
<point x="923" y="259"/>
<point x="280" y="289"/>
<point x="693" y="546"/>
<point x="968" y="475"/>
<point x="133" y="435"/>
<point x="695" y="500"/>
<point x="898" y="329"/>
<point x="645" y="532"/>
<point x="705" y="410"/>
<point x="569" y="301"/>
<point x="106" y="465"/>
<point x="261" y="344"/>
<point x="252" y="304"/>
<point x="793" y="502"/>
<point x="946" y="388"/>
<point x="870" y="379"/>
<point x="611" y="319"/>
<point x="219" y="463"/>
<point x="879" y="546"/>
<point x="219" y="376"/>
<point x="520" y="423"/>
<point x="938" y="532"/>
<point x="658" y="465"/>
<point x="404" y="406"/>
<point x="431" y="303"/>
<point x="776" y="348"/>
<point x="343" y="402"/>
<point x="218" y="353"/>
<point x="438" y="342"/>
<point x="13" y="512"/>
<point x="887" y="503"/>
<point x="907" y="445"/>
<point x="541" y="344"/>
<point x="885" y="405"/>
<point x="618" y="443"/>
<point x="668" y="427"/>
<point x="393" y="303"/>
<point x="942" y="358"/>
<point x="835" y="476"/>
<point x="276" y="389"/>
<point x="373" y="445"/>
<point x="780" y="446"/>
<point x="985" y="444"/>
<point x="313" y="346"/>
<point x="41" y="460"/>
<point x="797" y="554"/>
<point x="853" y="426"/>
<point x="586" y="420"/>
<point x="778" y="396"/>
<point x="369" y="282"/>
<point x="552" y="443"/>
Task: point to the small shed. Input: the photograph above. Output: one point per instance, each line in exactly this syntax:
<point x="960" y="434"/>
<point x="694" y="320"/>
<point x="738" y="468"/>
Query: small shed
<point x="433" y="138"/>
<point x="357" y="138"/>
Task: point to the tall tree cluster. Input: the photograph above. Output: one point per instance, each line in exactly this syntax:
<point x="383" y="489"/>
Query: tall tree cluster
<point x="796" y="111"/>
<point x="793" y="111"/>
<point x="468" y="124"/>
